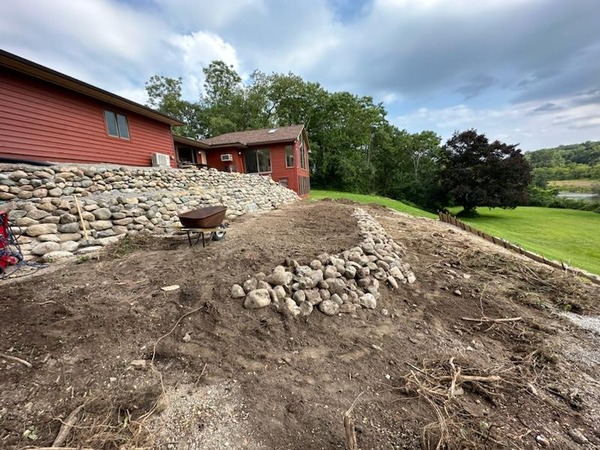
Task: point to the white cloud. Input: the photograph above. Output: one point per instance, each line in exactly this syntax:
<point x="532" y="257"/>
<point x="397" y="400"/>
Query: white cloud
<point x="567" y="122"/>
<point x="197" y="50"/>
<point x="462" y="61"/>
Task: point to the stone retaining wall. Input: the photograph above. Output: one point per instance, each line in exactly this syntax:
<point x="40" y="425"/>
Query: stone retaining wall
<point x="118" y="201"/>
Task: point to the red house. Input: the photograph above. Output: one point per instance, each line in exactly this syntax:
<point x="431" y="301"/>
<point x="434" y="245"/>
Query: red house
<point x="280" y="152"/>
<point x="48" y="116"/>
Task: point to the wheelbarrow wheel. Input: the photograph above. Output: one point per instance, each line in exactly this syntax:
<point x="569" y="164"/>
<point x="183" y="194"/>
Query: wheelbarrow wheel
<point x="218" y="235"/>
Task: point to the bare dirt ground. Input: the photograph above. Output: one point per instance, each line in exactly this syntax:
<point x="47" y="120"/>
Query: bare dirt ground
<point x="418" y="374"/>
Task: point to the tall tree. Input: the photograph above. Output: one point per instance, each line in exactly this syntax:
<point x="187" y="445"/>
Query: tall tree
<point x="164" y="94"/>
<point x="479" y="173"/>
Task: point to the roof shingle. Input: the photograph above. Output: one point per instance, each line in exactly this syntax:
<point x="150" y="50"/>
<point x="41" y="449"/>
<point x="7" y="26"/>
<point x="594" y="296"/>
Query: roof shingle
<point x="256" y="137"/>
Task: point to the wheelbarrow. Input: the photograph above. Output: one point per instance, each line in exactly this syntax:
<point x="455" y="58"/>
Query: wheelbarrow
<point x="207" y="223"/>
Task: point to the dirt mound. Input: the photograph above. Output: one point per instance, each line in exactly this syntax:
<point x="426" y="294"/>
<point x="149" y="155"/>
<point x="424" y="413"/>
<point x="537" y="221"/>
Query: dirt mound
<point x="474" y="354"/>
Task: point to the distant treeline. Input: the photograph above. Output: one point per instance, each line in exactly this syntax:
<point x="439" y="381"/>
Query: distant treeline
<point x="566" y="162"/>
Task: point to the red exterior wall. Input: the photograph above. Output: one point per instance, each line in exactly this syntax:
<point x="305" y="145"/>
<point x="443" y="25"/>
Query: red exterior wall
<point x="278" y="166"/>
<point x="213" y="159"/>
<point x="40" y="121"/>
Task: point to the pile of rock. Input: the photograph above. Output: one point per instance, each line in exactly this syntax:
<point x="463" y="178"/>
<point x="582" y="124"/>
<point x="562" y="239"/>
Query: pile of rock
<point x="118" y="201"/>
<point x="334" y="284"/>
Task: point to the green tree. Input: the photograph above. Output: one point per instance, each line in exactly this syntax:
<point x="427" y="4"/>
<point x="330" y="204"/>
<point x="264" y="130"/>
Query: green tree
<point x="164" y="95"/>
<point x="479" y="173"/>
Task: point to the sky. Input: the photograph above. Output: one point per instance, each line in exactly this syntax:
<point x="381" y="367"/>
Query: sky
<point x="525" y="72"/>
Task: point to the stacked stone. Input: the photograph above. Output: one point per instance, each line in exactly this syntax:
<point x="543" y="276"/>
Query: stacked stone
<point x="334" y="284"/>
<point x="119" y="201"/>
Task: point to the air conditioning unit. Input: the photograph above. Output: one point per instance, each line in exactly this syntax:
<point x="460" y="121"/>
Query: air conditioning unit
<point x="161" y="160"/>
<point x="226" y="157"/>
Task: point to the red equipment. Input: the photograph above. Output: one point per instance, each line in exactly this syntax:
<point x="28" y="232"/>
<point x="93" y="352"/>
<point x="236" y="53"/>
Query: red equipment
<point x="9" y="250"/>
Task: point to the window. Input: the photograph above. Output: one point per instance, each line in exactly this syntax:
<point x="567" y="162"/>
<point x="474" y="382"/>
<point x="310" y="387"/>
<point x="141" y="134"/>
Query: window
<point x="289" y="156"/>
<point x="116" y="124"/>
<point x="302" y="154"/>
<point x="258" y="161"/>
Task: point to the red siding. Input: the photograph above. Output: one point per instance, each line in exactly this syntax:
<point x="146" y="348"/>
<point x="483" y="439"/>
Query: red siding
<point x="213" y="159"/>
<point x="278" y="166"/>
<point x="40" y="121"/>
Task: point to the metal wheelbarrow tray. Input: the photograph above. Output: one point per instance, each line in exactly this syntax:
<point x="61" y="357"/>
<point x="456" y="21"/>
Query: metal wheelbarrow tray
<point x="209" y="217"/>
<point x="204" y="221"/>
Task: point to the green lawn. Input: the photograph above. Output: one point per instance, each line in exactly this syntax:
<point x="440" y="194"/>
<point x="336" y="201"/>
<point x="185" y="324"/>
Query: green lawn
<point x="384" y="201"/>
<point x="565" y="235"/>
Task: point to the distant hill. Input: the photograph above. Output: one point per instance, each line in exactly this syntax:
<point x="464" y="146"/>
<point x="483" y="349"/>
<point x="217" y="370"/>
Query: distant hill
<point x="587" y="153"/>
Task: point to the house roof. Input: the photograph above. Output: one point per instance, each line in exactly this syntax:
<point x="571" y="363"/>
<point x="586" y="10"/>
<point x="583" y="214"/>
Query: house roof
<point x="256" y="137"/>
<point x="24" y="66"/>
<point x="191" y="142"/>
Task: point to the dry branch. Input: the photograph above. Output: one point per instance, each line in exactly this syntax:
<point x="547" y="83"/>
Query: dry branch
<point x="486" y="320"/>
<point x="15" y="359"/>
<point x="66" y="427"/>
<point x="58" y="448"/>
<point x="349" y="426"/>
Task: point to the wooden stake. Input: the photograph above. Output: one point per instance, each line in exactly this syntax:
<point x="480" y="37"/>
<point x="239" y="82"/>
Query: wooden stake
<point x="66" y="427"/>
<point x="349" y="427"/>
<point x="81" y="217"/>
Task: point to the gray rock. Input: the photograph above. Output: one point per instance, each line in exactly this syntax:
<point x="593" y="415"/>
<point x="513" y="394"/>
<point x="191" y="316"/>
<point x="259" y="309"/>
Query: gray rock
<point x="105" y="233"/>
<point x="45" y="247"/>
<point x="250" y="284"/>
<point x="56" y="255"/>
<point x="48" y="238"/>
<point x="88" y="250"/>
<point x="323" y="258"/>
<point x="368" y="301"/>
<point x="36" y="214"/>
<point x="69" y="237"/>
<point x="50" y="219"/>
<point x="291" y="307"/>
<point x="69" y="227"/>
<point x="280" y="277"/>
<point x="336" y="285"/>
<point x="68" y="218"/>
<point x="102" y="213"/>
<point x="263" y="285"/>
<point x="107" y="240"/>
<point x="123" y="222"/>
<point x="100" y="225"/>
<point x="397" y="273"/>
<point x="15" y="214"/>
<point x="25" y="222"/>
<point x="299" y="296"/>
<point x="330" y="272"/>
<point x="56" y="192"/>
<point x="363" y="272"/>
<point x="39" y="229"/>
<point x="313" y="297"/>
<point x="350" y="272"/>
<point x="347" y="308"/>
<point x="280" y="292"/>
<point x="306" y="309"/>
<point x="17" y="175"/>
<point x="336" y="299"/>
<point x="69" y="246"/>
<point x="237" y="291"/>
<point x="118" y="230"/>
<point x="258" y="298"/>
<point x="329" y="307"/>
<point x="392" y="282"/>
<point x="324" y="294"/>
<point x="315" y="264"/>
<point x="577" y="436"/>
